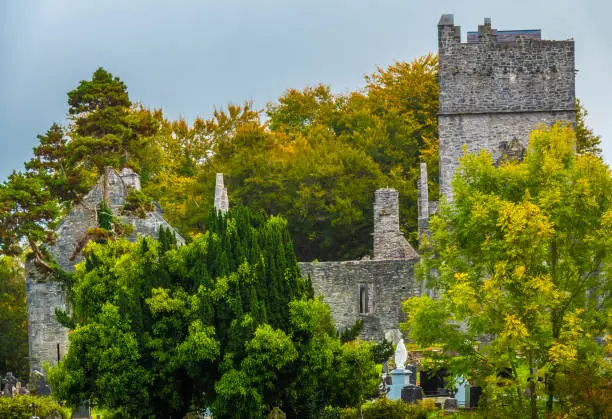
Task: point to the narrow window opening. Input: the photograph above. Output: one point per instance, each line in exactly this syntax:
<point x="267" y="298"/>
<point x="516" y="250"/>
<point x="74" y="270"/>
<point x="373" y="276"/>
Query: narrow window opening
<point x="364" y="303"/>
<point x="58" y="352"/>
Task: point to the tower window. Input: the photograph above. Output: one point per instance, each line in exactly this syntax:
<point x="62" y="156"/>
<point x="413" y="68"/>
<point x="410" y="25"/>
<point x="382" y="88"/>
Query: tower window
<point x="364" y="300"/>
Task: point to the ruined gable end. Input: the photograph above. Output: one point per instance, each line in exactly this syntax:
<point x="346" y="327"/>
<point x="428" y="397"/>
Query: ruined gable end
<point x="47" y="338"/>
<point x="389" y="242"/>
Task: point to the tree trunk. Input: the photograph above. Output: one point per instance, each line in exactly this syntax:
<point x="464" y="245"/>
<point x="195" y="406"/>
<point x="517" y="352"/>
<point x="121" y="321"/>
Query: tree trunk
<point x="40" y="258"/>
<point x="533" y="397"/>
<point x="550" y="377"/>
<point x="519" y="391"/>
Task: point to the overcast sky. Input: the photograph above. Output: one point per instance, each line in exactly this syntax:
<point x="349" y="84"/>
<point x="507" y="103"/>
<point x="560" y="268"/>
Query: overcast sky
<point x="189" y="57"/>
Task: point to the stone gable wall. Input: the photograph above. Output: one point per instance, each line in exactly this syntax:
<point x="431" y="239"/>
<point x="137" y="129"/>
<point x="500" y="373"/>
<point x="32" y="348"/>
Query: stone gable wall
<point x="389" y="282"/>
<point x="389" y="242"/>
<point x="44" y="295"/>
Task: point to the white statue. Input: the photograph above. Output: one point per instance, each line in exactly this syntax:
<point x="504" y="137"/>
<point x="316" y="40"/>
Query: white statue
<point x="401" y="355"/>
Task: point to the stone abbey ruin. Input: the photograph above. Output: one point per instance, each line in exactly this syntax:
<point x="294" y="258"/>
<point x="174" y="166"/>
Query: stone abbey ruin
<point x="47" y="337"/>
<point x="494" y="89"/>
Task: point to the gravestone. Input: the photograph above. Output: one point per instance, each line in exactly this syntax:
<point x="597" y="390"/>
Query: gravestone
<point x="413" y="373"/>
<point x="451" y="404"/>
<point x="475" y="392"/>
<point x="10" y="383"/>
<point x="433" y="383"/>
<point x="412" y="394"/>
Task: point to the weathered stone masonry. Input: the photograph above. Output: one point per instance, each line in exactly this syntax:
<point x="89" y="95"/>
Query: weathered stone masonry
<point x="389" y="242"/>
<point x="496" y="88"/>
<point x="371" y="290"/>
<point x="47" y="338"/>
<point x="388" y="283"/>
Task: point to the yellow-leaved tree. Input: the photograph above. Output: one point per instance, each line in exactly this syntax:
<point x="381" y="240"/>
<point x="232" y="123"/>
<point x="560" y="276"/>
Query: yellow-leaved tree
<point x="521" y="263"/>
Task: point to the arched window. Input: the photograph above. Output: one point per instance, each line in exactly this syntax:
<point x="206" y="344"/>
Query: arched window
<point x="364" y="300"/>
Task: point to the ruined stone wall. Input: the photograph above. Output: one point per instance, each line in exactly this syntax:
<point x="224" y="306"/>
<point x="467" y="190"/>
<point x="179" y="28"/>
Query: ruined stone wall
<point x="494" y="92"/>
<point x="44" y="295"/>
<point x="388" y="283"/>
<point x="45" y="334"/>
<point x="423" y="202"/>
<point x="389" y="242"/>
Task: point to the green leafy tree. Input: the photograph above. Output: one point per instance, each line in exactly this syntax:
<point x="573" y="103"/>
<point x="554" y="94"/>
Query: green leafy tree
<point x="184" y="150"/>
<point x="225" y="321"/>
<point x="317" y="159"/>
<point x="14" y="319"/>
<point x="586" y="140"/>
<point x="51" y="162"/>
<point x="99" y="106"/>
<point x="28" y="211"/>
<point x="521" y="262"/>
<point x="20" y="407"/>
<point x="393" y="121"/>
<point x="108" y="130"/>
<point x="322" y="186"/>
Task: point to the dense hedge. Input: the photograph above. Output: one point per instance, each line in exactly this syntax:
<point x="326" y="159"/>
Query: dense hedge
<point x="19" y="407"/>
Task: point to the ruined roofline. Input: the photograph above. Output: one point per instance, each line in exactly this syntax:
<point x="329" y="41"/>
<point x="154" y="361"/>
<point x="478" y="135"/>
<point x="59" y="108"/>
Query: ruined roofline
<point x="388" y="240"/>
<point x="486" y="33"/>
<point x="360" y="262"/>
<point x="508" y="112"/>
<point x="507" y="36"/>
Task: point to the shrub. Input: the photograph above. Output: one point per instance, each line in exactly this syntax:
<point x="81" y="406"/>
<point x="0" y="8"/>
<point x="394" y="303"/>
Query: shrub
<point x="19" y="407"/>
<point x="338" y="413"/>
<point x="137" y="203"/>
<point x="586" y="392"/>
<point x="384" y="408"/>
<point x="105" y="216"/>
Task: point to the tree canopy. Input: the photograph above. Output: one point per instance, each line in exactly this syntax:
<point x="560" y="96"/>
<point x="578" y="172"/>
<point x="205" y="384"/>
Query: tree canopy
<point x="14" y="318"/>
<point x="316" y="158"/>
<point x="107" y="130"/>
<point x="225" y="322"/>
<point x="521" y="261"/>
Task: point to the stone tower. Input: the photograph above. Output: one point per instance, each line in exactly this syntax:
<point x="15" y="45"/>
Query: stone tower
<point x="496" y="88"/>
<point x="47" y="338"/>
<point x="389" y="242"/>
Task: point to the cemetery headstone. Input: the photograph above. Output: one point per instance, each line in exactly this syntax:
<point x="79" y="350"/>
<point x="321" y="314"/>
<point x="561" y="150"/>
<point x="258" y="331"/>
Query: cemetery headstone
<point x="451" y="404"/>
<point x="411" y="394"/>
